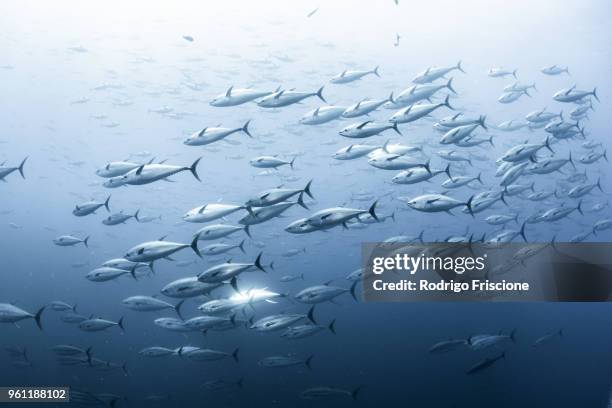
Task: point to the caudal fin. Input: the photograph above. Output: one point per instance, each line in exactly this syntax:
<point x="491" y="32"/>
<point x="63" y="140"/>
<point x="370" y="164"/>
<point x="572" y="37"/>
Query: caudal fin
<point x="85" y="241"/>
<point x="353" y="294"/>
<point x="332" y="326"/>
<point x="241" y="247"/>
<point x="320" y="94"/>
<point x="449" y="85"/>
<point x="245" y="128"/>
<point x="37" y="317"/>
<point x="375" y="71"/>
<point x="469" y="206"/>
<point x="394" y="127"/>
<point x="447" y="103"/>
<point x="23" y="162"/>
<point x="177" y="309"/>
<point x="459" y="67"/>
<point x="258" y="264"/>
<point x="372" y="210"/>
<point x="308" y="361"/>
<point x="235" y="355"/>
<point x="194" y="169"/>
<point x="310" y="314"/>
<point x="106" y="203"/>
<point x="300" y="201"/>
<point x="522" y="232"/>
<point x="307" y="189"/>
<point x="194" y="246"/>
<point x="481" y="122"/>
<point x="120" y="324"/>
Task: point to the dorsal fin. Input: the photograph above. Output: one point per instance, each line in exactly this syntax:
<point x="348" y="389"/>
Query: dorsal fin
<point x="229" y="91"/>
<point x="139" y="170"/>
<point x="364" y="124"/>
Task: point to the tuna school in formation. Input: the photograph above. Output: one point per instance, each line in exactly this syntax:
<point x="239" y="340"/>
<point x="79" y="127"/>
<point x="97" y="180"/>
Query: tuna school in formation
<point x="547" y="147"/>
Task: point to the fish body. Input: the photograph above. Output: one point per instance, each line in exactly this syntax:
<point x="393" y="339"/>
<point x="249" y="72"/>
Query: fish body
<point x="284" y="98"/>
<point x="69" y="240"/>
<point x="90" y="207"/>
<point x="366" y="129"/>
<point x="433" y="73"/>
<point x="188" y="287"/>
<point x="210" y="135"/>
<point x="347" y="76"/>
<point x="211" y="212"/>
<point x="154" y="250"/>
<point x="322" y="115"/>
<point x="237" y="96"/>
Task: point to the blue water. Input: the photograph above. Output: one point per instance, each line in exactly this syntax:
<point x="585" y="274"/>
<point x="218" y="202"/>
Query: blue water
<point x="139" y="50"/>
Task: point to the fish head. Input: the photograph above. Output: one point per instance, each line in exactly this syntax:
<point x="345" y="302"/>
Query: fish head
<point x="115" y="182"/>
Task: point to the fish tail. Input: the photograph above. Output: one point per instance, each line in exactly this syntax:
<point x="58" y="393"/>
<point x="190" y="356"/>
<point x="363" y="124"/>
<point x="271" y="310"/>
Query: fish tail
<point x="234" y="284"/>
<point x="598" y="184"/>
<point x="37" y="317"/>
<point x="459" y="67"/>
<point x="355" y="392"/>
<point x="235" y="355"/>
<point x="194" y="246"/>
<point x="332" y="326"/>
<point x="375" y="71"/>
<point x="311" y="314"/>
<point x="514" y="74"/>
<point x="522" y="232"/>
<point x="247" y="231"/>
<point x="136" y="215"/>
<point x="447" y="171"/>
<point x="449" y="85"/>
<point x="307" y="189"/>
<point x="241" y="247"/>
<point x="194" y="169"/>
<point x="469" y="206"/>
<point x="177" y="308"/>
<point x="20" y="168"/>
<point x="292" y="162"/>
<point x="481" y="121"/>
<point x="245" y="128"/>
<point x="106" y="203"/>
<point x="394" y="127"/>
<point x="258" y="264"/>
<point x="595" y="94"/>
<point x="353" y="294"/>
<point x="447" y="103"/>
<point x="300" y="201"/>
<point x="372" y="210"/>
<point x="120" y="324"/>
<point x="86" y="241"/>
<point x="320" y="94"/>
<point x="308" y="361"/>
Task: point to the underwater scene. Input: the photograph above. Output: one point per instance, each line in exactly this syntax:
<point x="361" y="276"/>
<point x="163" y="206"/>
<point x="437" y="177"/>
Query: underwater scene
<point x="186" y="188"/>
